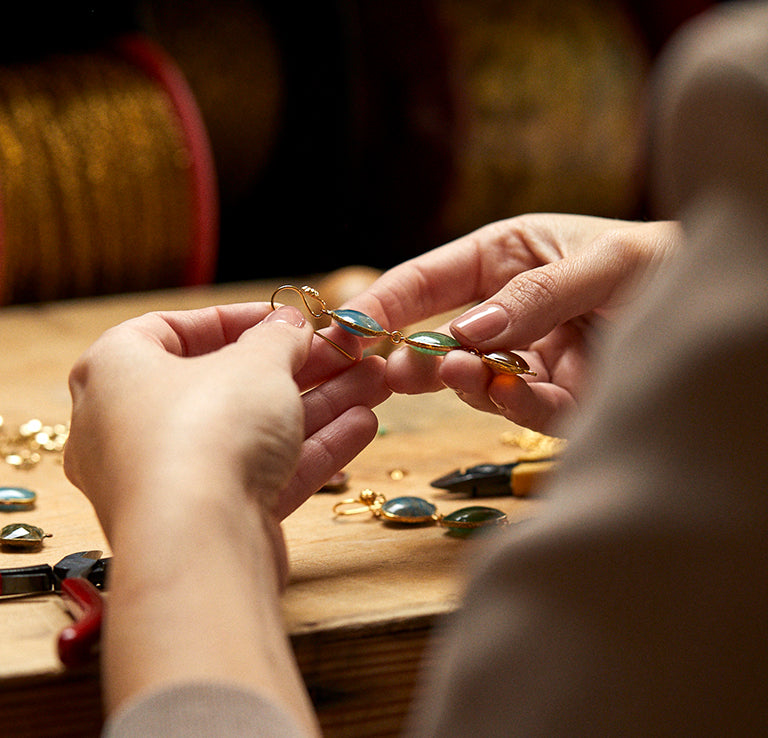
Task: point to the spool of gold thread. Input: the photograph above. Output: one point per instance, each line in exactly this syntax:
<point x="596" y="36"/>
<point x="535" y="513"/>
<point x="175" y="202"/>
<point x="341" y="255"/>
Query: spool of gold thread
<point x="106" y="180"/>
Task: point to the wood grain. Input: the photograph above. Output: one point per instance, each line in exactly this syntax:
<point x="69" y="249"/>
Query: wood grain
<point x="363" y="596"/>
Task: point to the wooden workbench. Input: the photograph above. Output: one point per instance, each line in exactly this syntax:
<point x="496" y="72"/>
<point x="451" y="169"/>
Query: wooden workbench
<point x="362" y="597"/>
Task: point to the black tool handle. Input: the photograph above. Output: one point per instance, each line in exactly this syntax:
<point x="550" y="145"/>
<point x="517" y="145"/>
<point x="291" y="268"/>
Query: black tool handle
<point x="26" y="580"/>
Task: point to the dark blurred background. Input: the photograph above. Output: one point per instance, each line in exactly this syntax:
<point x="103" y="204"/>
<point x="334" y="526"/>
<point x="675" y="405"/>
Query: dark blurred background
<point x="342" y="131"/>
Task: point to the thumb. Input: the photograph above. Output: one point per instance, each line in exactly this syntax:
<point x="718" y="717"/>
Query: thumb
<point x="536" y="301"/>
<point x="284" y="338"/>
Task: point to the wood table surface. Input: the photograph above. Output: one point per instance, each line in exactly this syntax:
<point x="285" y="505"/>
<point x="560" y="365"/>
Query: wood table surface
<point x="362" y="598"/>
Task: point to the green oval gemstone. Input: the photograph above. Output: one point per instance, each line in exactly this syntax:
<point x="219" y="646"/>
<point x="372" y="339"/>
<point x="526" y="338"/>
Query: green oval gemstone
<point x="21" y="535"/>
<point x="358" y="323"/>
<point x="431" y="342"/>
<point x="16" y="498"/>
<point x="465" y="521"/>
<point x="410" y="510"/>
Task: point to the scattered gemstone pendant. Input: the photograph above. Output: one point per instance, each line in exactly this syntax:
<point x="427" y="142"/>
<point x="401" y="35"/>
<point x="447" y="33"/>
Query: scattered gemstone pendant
<point x="418" y="511"/>
<point x="16" y="498"/>
<point x="426" y="342"/>
<point x="22" y="536"/>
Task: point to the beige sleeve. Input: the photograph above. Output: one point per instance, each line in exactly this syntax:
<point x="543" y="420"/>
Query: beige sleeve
<point x="201" y="709"/>
<point x="637" y="605"/>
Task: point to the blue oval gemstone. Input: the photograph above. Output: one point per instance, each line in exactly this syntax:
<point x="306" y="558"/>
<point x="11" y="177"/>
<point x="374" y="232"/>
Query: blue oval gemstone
<point x="408" y="510"/>
<point x="16" y="498"/>
<point x="358" y="323"/>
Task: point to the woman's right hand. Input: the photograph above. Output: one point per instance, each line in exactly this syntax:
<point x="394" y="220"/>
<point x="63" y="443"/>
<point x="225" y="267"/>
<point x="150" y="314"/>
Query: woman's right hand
<point x="542" y="281"/>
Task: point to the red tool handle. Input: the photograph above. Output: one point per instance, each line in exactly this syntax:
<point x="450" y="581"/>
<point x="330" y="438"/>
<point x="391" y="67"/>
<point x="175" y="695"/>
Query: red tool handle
<point x="77" y="641"/>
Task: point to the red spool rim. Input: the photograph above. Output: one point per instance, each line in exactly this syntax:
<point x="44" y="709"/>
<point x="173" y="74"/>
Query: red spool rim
<point x="152" y="59"/>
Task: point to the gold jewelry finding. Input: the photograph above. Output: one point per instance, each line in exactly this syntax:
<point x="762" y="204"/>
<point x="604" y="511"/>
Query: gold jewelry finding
<point x="409" y="511"/>
<point x="426" y="342"/>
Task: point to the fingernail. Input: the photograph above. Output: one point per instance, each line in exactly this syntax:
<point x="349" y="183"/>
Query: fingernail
<point x="286" y="314"/>
<point x="481" y="323"/>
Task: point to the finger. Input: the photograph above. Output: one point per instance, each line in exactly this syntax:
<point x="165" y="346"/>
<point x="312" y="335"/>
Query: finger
<point x="597" y="278"/>
<point x="410" y="372"/>
<point x="362" y="385"/>
<point x="283" y="340"/>
<point x="529" y="402"/>
<point x="197" y="332"/>
<point x="540" y="406"/>
<point x="470" y="379"/>
<point x="474" y="266"/>
<point x="327" y="360"/>
<point x="325" y="452"/>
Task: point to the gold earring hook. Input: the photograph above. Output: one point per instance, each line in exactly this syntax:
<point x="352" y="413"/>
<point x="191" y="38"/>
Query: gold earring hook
<point x="368" y="501"/>
<point x="309" y="293"/>
<point x="306" y="293"/>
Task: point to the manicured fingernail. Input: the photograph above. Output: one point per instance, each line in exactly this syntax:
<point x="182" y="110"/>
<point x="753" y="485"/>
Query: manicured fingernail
<point x="481" y="323"/>
<point x="286" y="314"/>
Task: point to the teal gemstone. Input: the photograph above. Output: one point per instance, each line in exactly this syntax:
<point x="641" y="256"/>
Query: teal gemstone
<point x="430" y="342"/>
<point x="16" y="498"/>
<point x="358" y="323"/>
<point x="465" y="521"/>
<point x="410" y="510"/>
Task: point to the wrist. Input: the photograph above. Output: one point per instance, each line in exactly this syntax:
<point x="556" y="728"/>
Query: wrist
<point x="186" y="506"/>
<point x="193" y="594"/>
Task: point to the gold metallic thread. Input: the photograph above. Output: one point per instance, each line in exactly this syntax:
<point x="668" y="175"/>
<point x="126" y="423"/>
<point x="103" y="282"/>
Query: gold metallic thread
<point x="94" y="180"/>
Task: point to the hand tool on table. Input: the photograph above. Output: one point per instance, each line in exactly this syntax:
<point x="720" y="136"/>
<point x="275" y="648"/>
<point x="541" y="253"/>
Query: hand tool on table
<point x="518" y="478"/>
<point x="78" y="577"/>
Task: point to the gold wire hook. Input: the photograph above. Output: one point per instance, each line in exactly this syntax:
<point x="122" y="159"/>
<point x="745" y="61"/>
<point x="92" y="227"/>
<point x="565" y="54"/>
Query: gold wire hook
<point x="368" y="501"/>
<point x="306" y="293"/>
<point x="500" y="361"/>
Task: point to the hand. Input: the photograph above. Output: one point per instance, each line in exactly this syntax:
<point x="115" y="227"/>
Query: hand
<point x="190" y="437"/>
<point x="546" y="281"/>
<point x="215" y="387"/>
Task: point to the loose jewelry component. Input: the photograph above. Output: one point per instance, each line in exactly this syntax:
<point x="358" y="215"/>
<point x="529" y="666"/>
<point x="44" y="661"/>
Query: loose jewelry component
<point x="23" y="448"/>
<point x="16" y="498"/>
<point x="23" y="536"/>
<point x="418" y="511"/>
<point x="426" y="342"/>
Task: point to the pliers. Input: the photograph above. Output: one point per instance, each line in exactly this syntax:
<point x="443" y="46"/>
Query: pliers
<point x="78" y="577"/>
<point x="519" y="478"/>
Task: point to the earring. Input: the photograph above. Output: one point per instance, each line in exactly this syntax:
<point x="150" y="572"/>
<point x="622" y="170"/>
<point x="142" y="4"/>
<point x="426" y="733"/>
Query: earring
<point x="406" y="511"/>
<point x="426" y="342"/>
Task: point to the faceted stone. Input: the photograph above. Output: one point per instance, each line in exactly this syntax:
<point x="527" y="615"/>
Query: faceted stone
<point x="431" y="342"/>
<point x="21" y="535"/>
<point x="358" y="323"/>
<point x="465" y="521"/>
<point x="411" y="510"/>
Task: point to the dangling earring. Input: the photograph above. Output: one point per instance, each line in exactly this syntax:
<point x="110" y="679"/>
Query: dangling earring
<point x="415" y="511"/>
<point x="426" y="342"/>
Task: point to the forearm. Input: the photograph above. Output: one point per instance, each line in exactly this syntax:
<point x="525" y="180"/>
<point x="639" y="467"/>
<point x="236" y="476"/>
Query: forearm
<point x="194" y="596"/>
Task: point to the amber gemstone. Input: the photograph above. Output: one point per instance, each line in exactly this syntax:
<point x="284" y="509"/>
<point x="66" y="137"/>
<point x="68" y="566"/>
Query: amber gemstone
<point x="507" y="362"/>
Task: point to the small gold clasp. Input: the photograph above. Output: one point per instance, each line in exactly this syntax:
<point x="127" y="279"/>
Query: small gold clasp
<point x="368" y="501"/>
